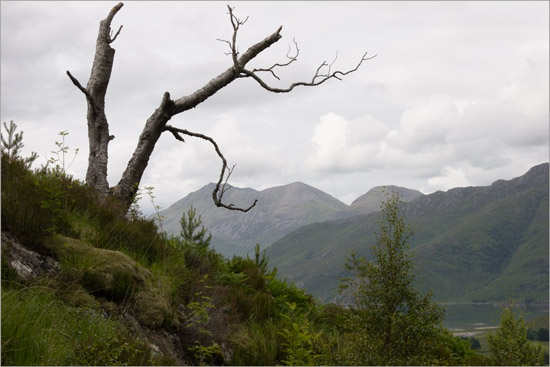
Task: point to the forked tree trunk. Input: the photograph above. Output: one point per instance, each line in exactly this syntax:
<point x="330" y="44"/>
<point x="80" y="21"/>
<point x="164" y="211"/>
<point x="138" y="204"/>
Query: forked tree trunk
<point x="155" y="125"/>
<point x="98" y="127"/>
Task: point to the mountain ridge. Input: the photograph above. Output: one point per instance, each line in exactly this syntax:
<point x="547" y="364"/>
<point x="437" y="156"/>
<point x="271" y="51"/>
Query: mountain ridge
<point x="471" y="243"/>
<point x="279" y="210"/>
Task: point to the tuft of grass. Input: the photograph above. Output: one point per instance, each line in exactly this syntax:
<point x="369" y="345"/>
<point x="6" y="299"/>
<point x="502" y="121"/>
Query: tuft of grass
<point x="43" y="331"/>
<point x="256" y="344"/>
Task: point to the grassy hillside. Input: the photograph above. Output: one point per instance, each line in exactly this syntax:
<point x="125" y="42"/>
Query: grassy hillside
<point x="84" y="282"/>
<point x="485" y="243"/>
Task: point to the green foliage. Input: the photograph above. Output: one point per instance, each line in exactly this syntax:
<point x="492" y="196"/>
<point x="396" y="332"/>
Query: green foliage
<point x="59" y="160"/>
<point x="256" y="344"/>
<point x="452" y="350"/>
<point x="33" y="203"/>
<point x="190" y="232"/>
<point x="401" y="325"/>
<point x="509" y="345"/>
<point x="474" y="343"/>
<point x="135" y="210"/>
<point x="204" y="350"/>
<point x="13" y="143"/>
<point x="299" y="339"/>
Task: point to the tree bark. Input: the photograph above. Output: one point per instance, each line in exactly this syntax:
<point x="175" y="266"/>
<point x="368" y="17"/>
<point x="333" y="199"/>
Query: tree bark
<point x="98" y="127"/>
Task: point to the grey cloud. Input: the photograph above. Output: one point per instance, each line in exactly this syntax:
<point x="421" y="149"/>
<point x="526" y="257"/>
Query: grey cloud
<point x="483" y="65"/>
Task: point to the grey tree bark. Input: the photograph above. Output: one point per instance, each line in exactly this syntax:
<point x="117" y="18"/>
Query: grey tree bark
<point x="98" y="127"/>
<point x="156" y="124"/>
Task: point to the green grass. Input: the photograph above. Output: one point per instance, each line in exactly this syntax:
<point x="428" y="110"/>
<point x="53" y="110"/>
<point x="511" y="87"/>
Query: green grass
<point x="37" y="329"/>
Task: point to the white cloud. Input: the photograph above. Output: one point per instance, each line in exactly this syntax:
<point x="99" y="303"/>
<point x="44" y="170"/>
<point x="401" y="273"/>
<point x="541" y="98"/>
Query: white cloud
<point x="450" y="177"/>
<point x="342" y="146"/>
<point x="425" y="125"/>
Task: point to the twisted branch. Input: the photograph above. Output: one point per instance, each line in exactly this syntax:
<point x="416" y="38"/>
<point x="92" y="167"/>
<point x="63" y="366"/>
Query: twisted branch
<point x="290" y="61"/>
<point x="221" y="185"/>
<point x="315" y="81"/>
<point x="318" y="78"/>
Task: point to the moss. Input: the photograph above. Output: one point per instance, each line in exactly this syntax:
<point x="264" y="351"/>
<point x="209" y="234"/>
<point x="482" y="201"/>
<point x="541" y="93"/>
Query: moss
<point x="116" y="277"/>
<point x="152" y="308"/>
<point x="75" y="295"/>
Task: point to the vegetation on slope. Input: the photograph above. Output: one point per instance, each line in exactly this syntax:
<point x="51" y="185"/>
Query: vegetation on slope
<point x="118" y="292"/>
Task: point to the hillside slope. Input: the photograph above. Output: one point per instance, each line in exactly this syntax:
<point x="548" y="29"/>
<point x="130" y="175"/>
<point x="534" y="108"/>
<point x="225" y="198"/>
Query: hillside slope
<point x="475" y="243"/>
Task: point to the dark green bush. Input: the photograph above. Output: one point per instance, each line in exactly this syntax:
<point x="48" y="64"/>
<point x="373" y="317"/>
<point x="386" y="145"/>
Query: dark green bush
<point x="22" y="214"/>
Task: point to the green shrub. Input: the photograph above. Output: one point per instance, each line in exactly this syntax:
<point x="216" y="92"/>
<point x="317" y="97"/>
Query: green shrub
<point x="509" y="345"/>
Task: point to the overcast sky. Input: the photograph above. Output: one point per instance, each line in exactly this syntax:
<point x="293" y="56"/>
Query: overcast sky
<point x="456" y="96"/>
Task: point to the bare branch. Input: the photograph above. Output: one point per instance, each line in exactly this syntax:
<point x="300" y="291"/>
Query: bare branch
<point x="187" y="102"/>
<point x="236" y="23"/>
<point x="291" y="60"/>
<point x="89" y="97"/>
<point x="221" y="185"/>
<point x="225" y="41"/>
<point x="314" y="82"/>
<point x="116" y="35"/>
<point x="77" y="84"/>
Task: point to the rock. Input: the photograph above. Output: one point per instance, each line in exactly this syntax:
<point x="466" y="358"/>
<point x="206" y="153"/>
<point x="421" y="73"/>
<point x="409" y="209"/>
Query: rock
<point x="27" y="263"/>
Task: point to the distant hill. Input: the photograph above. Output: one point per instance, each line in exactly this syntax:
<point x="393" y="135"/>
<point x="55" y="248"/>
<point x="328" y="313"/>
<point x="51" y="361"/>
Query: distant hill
<point x="279" y="211"/>
<point x="471" y="244"/>
<point x="371" y="201"/>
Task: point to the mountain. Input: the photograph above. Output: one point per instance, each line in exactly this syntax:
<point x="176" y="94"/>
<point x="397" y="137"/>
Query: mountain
<point x="471" y="244"/>
<point x="371" y="201"/>
<point x="279" y="211"/>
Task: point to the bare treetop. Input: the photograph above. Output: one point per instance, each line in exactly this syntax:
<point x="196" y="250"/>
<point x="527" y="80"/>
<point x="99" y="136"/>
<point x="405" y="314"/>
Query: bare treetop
<point x="157" y="123"/>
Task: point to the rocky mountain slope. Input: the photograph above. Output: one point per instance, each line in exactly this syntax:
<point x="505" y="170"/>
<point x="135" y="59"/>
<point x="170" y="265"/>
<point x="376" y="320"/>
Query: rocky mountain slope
<point x="279" y="210"/>
<point x="471" y="244"/>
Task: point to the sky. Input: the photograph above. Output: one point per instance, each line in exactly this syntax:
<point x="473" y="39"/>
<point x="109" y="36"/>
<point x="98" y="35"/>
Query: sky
<point x="457" y="95"/>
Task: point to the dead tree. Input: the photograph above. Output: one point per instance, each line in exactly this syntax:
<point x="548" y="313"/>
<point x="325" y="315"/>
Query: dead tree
<point x="98" y="127"/>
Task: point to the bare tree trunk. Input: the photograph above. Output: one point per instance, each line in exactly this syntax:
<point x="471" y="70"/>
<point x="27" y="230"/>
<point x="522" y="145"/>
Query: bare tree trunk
<point x="98" y="127"/>
<point x="154" y="127"/>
